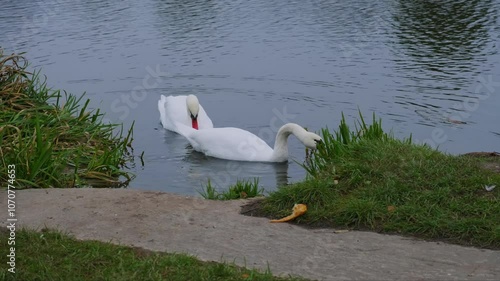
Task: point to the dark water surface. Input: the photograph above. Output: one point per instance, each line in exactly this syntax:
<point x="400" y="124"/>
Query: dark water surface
<point x="427" y="68"/>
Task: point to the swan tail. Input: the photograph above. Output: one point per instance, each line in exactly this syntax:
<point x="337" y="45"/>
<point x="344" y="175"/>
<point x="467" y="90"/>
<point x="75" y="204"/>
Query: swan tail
<point x="162" y="104"/>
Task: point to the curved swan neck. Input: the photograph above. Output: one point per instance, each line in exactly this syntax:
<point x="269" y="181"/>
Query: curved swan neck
<point x="281" y="144"/>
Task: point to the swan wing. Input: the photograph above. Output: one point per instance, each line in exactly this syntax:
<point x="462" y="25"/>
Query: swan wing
<point x="173" y="111"/>
<point x="204" y="122"/>
<point x="231" y="144"/>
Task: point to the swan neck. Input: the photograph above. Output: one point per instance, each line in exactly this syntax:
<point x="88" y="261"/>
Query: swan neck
<point x="281" y="144"/>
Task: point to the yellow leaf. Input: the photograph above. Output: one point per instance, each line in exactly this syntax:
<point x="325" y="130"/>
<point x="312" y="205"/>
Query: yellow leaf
<point x="298" y="210"/>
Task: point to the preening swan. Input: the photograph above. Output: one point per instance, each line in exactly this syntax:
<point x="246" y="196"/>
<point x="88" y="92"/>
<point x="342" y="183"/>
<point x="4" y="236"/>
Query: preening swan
<point x="240" y="145"/>
<point x="184" y="110"/>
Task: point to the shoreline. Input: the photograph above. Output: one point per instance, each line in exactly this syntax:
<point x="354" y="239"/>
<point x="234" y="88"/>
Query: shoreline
<point x="210" y="230"/>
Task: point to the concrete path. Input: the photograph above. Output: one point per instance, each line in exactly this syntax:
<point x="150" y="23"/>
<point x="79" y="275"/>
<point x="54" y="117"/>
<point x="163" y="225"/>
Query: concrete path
<point x="213" y="230"/>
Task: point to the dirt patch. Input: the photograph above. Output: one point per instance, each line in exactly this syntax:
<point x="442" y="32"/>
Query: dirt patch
<point x="142" y="253"/>
<point x="493" y="166"/>
<point x="253" y="208"/>
<point x="489" y="160"/>
<point x="493" y="154"/>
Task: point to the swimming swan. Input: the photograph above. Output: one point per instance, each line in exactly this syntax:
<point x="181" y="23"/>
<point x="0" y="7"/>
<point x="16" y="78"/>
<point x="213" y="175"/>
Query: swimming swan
<point x="184" y="110"/>
<point x="240" y="145"/>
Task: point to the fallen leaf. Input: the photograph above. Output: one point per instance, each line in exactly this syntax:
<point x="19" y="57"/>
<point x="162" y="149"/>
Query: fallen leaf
<point x="341" y="231"/>
<point x="298" y="210"/>
<point x="245" y="275"/>
<point x="243" y="194"/>
<point x="391" y="208"/>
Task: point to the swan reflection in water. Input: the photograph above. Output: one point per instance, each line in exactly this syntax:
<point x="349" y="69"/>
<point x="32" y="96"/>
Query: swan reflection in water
<point x="193" y="169"/>
<point x="223" y="173"/>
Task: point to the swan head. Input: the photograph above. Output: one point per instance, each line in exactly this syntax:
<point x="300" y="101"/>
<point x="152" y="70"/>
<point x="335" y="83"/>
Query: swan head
<point x="193" y="107"/>
<point x="311" y="140"/>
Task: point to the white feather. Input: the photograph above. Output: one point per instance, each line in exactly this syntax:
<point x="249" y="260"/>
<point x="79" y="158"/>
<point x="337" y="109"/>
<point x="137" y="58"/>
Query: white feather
<point x="489" y="187"/>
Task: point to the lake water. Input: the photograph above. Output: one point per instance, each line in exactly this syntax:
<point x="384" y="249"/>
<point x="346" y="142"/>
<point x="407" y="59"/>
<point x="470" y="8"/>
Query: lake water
<point x="427" y="68"/>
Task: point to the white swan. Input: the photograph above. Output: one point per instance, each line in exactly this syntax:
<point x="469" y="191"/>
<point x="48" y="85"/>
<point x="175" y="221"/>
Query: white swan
<point x="240" y="145"/>
<point x="184" y="110"/>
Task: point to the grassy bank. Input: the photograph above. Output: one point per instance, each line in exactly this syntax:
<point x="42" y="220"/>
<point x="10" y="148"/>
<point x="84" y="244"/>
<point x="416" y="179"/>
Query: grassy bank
<point x="51" y="137"/>
<point x="53" y="256"/>
<point x="366" y="179"/>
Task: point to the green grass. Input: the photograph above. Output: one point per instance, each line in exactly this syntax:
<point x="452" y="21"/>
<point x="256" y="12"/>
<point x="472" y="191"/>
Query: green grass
<point x="242" y="189"/>
<point x="51" y="138"/>
<point x="51" y="255"/>
<point x="366" y="179"/>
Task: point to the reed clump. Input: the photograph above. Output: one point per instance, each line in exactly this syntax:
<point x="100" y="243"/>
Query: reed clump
<point x="51" y="138"/>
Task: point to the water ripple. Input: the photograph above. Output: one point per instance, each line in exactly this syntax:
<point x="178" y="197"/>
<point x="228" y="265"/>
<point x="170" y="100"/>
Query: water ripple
<point x="415" y="63"/>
